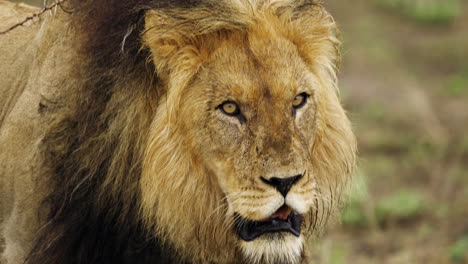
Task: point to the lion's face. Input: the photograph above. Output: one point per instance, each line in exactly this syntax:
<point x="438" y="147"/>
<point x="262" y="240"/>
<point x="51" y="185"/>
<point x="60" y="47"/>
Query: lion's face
<point x="250" y="146"/>
<point x="253" y="116"/>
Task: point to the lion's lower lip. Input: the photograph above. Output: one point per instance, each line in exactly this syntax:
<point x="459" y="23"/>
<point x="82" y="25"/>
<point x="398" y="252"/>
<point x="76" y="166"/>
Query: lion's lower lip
<point x="249" y="230"/>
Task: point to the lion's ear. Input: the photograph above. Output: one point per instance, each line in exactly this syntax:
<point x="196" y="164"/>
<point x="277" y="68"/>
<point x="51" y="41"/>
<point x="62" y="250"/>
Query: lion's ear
<point x="181" y="39"/>
<point x="171" y="44"/>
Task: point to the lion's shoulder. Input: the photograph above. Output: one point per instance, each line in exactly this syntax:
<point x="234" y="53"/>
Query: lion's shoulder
<point x="13" y="50"/>
<point x="14" y="14"/>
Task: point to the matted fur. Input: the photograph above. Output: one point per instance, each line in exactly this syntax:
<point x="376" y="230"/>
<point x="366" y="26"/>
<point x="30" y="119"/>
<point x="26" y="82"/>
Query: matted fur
<point x="130" y="173"/>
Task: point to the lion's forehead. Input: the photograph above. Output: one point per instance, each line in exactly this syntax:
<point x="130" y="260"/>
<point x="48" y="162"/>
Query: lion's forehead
<point x="264" y="69"/>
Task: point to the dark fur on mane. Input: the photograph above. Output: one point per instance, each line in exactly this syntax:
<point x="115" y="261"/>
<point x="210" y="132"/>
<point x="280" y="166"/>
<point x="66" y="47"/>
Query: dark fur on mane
<point x="93" y="162"/>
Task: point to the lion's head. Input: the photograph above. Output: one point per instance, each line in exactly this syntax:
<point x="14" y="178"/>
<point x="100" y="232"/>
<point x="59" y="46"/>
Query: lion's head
<point x="250" y="147"/>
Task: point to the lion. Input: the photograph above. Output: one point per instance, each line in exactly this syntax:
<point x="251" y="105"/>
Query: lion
<point x="170" y="131"/>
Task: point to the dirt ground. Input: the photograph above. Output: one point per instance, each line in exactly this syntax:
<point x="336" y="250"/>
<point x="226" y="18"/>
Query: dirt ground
<point x="404" y="81"/>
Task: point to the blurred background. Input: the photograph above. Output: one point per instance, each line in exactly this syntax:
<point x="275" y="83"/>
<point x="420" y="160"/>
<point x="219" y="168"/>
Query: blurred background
<point x="404" y="81"/>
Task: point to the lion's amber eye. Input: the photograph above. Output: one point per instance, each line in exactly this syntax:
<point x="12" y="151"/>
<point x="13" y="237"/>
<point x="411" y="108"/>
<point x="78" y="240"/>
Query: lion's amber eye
<point x="300" y="100"/>
<point x="230" y="108"/>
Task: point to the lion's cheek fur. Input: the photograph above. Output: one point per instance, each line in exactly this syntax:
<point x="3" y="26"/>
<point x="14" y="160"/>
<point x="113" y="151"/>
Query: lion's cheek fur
<point x="333" y="151"/>
<point x="181" y="202"/>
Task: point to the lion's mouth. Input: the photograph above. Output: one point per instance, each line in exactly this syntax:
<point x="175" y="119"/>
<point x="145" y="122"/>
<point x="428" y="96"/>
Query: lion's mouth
<point x="283" y="220"/>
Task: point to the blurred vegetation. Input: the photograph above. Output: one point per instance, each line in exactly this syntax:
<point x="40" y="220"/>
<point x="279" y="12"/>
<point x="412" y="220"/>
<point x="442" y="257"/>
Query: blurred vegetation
<point x="403" y="205"/>
<point x="459" y="251"/>
<point x="457" y="83"/>
<point x="427" y="11"/>
<point x="405" y="83"/>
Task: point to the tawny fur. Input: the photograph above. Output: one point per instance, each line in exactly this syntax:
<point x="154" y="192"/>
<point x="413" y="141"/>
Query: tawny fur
<point x="113" y="149"/>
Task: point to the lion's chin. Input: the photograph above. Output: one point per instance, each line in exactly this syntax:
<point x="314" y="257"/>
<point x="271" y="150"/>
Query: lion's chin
<point x="276" y="239"/>
<point x="273" y="248"/>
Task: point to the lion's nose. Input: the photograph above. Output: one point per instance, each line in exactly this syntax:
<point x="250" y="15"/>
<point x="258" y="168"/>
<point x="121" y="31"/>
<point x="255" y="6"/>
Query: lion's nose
<point x="283" y="185"/>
